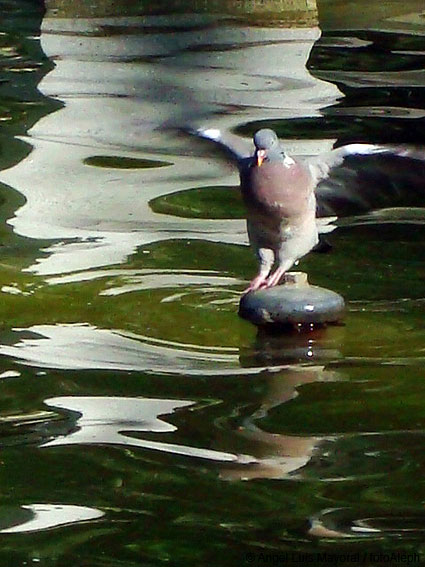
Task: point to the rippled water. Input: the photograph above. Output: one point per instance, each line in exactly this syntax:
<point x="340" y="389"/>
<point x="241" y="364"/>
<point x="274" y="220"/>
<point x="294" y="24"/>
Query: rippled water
<point x="142" y="422"/>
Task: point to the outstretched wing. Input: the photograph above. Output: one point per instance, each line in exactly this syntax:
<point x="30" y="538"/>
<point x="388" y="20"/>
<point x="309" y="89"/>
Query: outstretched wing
<point x="234" y="147"/>
<point x="359" y="178"/>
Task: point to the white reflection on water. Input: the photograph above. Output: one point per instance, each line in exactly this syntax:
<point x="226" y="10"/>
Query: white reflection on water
<point x="202" y="283"/>
<point x="105" y="209"/>
<point x="119" y="421"/>
<point x="114" y="421"/>
<point x="47" y="516"/>
<point x="86" y="347"/>
<point x="120" y="93"/>
<point x="370" y="522"/>
<point x="139" y="280"/>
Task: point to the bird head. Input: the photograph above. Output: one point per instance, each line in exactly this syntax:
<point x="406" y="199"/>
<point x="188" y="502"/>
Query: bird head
<point x="266" y="146"/>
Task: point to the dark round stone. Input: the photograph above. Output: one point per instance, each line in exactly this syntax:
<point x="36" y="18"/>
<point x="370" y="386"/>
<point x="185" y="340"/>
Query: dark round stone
<point x="292" y="304"/>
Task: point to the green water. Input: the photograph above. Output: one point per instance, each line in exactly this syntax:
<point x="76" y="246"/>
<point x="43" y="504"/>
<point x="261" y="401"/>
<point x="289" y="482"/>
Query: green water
<point x="141" y="421"/>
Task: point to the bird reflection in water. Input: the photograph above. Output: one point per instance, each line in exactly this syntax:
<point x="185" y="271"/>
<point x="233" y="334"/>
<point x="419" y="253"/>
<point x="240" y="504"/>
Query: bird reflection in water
<point x="124" y="421"/>
<point x="289" y="357"/>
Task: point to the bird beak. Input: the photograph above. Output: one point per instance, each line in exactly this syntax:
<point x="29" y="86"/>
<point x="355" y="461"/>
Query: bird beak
<point x="261" y="154"/>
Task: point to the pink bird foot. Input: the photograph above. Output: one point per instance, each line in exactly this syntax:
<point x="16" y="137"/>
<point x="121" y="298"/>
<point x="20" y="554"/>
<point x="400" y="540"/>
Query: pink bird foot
<point x="274" y="279"/>
<point x="257" y="283"/>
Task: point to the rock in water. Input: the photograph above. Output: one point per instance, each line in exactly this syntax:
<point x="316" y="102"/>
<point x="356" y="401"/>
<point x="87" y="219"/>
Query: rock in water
<point x="294" y="303"/>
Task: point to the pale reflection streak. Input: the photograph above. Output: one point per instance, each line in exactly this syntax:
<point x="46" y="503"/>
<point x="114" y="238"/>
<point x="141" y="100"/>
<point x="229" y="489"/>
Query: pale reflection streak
<point x="107" y="420"/>
<point x="55" y="182"/>
<point x="189" y="281"/>
<point x="48" y="516"/>
<point x="83" y="347"/>
<point x="349" y="523"/>
<point x="119" y="93"/>
<point x="114" y="421"/>
<point x="127" y="275"/>
<point x="119" y="420"/>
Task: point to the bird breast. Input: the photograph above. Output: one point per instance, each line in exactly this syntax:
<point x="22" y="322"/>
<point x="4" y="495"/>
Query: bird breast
<point x="273" y="188"/>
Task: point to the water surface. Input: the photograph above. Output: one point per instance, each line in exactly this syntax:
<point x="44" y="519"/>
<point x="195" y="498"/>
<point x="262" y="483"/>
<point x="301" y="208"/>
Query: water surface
<point x="141" y="421"/>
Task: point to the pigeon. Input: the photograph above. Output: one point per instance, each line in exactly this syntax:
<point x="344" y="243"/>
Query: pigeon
<point x="280" y="193"/>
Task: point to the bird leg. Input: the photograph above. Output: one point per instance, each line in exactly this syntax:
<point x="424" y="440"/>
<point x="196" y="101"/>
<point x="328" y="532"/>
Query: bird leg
<point x="266" y="258"/>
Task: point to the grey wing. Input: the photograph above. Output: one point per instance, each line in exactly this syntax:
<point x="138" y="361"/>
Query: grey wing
<point x="322" y="165"/>
<point x="233" y="146"/>
<point x="359" y="178"/>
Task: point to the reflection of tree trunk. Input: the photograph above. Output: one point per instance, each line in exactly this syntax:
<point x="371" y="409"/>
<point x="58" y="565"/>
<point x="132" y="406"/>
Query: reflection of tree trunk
<point x="300" y="13"/>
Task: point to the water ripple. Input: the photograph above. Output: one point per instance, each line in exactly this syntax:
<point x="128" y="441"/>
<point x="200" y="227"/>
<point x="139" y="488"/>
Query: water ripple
<point x="86" y="347"/>
<point x="348" y="523"/>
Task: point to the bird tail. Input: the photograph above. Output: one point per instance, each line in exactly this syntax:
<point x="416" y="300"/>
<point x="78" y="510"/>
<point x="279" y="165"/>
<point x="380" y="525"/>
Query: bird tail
<point x="324" y="224"/>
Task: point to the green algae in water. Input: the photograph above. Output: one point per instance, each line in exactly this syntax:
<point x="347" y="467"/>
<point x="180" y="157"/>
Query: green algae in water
<point x="117" y="162"/>
<point x="215" y="202"/>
